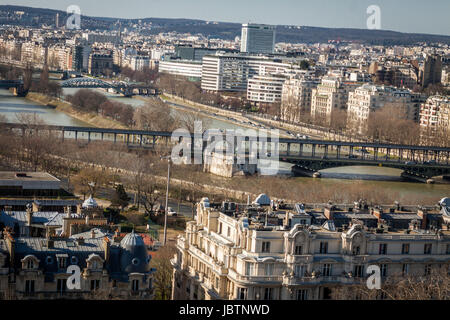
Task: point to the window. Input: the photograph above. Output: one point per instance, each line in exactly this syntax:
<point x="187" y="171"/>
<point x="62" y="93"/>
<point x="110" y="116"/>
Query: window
<point x="383" y="269"/>
<point x="61" y="285"/>
<point x="358" y="271"/>
<point x="298" y="250"/>
<point x="427" y="248"/>
<point x="383" y="248"/>
<point x="324" y="247"/>
<point x="356" y="250"/>
<point x="95" y="284"/>
<point x="326" y="270"/>
<point x="228" y="231"/>
<point x="300" y="270"/>
<point x="268" y="293"/>
<point x="448" y="249"/>
<point x="268" y="269"/>
<point x="74" y="260"/>
<point x="266" y="246"/>
<point x="48" y="260"/>
<point x="220" y="227"/>
<point x="29" y="286"/>
<point x="405" y="269"/>
<point x="248" y="269"/>
<point x="30" y="264"/>
<point x="62" y="262"/>
<point x="242" y="293"/>
<point x="302" y="294"/>
<point x="135" y="285"/>
<point x="405" y="248"/>
<point x="427" y="269"/>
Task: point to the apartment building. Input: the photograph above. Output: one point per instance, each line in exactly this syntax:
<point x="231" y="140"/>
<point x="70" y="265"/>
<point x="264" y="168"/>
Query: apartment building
<point x="330" y="95"/>
<point x="369" y="98"/>
<point x="231" y="72"/>
<point x="435" y="113"/>
<point x="300" y="252"/>
<point x="185" y="68"/>
<point x="296" y="98"/>
<point x="265" y="88"/>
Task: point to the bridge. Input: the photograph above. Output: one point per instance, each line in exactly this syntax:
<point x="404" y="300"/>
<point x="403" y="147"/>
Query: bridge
<point x="309" y="156"/>
<point x="124" y="88"/>
<point x="17" y="85"/>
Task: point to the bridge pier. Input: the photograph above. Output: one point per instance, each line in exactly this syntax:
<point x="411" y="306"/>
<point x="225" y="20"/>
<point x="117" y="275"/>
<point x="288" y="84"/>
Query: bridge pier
<point x="89" y="136"/>
<point x="115" y="137"/>
<point x="301" y="150"/>
<point x="76" y="135"/>
<point x="313" y="151"/>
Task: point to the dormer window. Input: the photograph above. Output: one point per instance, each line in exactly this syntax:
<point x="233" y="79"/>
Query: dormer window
<point x="30" y="262"/>
<point x="62" y="260"/>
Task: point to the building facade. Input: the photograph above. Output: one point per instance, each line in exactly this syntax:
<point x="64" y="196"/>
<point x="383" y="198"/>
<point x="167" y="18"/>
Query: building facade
<point x="234" y="251"/>
<point x="257" y="38"/>
<point x="296" y="98"/>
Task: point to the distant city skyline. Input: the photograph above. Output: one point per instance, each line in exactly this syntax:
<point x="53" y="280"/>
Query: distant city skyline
<point x="411" y="16"/>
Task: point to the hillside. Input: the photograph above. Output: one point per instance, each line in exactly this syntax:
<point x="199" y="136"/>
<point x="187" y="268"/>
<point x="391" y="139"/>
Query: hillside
<point x="35" y="17"/>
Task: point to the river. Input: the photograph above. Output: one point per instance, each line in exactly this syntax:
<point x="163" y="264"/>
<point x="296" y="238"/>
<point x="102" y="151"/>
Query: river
<point x="386" y="178"/>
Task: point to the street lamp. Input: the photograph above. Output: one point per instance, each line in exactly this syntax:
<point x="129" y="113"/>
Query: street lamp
<point x="166" y="209"/>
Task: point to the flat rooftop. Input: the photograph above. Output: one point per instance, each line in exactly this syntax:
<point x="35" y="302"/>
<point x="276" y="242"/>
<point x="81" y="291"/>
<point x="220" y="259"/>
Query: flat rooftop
<point x="29" y="180"/>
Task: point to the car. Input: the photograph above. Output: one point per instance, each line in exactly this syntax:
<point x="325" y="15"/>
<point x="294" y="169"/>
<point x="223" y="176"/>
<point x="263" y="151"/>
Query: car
<point x="268" y="154"/>
<point x="171" y="212"/>
<point x="410" y="163"/>
<point x="305" y="137"/>
<point x="430" y="162"/>
<point x="352" y="156"/>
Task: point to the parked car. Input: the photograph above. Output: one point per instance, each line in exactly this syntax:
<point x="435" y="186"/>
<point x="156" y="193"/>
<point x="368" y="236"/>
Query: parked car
<point x="409" y="163"/>
<point x="430" y="162"/>
<point x="352" y="156"/>
<point x="171" y="212"/>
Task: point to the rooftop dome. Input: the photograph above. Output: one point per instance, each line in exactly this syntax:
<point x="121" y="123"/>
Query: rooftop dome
<point x="262" y="200"/>
<point x="89" y="203"/>
<point x="132" y="240"/>
<point x="134" y="256"/>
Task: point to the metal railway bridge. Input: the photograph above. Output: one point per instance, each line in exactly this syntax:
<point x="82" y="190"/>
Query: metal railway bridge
<point x="308" y="156"/>
<point x="124" y="88"/>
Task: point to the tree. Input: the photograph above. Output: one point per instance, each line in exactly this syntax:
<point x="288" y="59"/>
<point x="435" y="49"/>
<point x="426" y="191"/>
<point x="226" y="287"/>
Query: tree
<point x="89" y="180"/>
<point x="120" y="197"/>
<point x="164" y="272"/>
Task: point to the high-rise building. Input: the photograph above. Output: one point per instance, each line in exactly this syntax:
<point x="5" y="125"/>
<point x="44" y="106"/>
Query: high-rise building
<point x="432" y="70"/>
<point x="257" y="38"/>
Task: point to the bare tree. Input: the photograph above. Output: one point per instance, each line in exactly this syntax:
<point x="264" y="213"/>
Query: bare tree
<point x="164" y="271"/>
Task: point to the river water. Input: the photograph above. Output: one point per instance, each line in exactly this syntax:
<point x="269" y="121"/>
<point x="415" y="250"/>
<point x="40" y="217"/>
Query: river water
<point x="385" y="178"/>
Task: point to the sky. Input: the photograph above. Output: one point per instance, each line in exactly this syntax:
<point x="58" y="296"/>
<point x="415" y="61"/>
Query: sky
<point x="413" y="16"/>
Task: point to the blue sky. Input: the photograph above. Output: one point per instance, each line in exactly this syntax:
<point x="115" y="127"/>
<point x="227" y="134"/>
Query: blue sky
<point x="418" y="16"/>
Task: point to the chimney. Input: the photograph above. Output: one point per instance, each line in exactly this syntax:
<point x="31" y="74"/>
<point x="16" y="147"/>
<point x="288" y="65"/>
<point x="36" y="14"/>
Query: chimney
<point x="92" y="234"/>
<point x="11" y="244"/>
<point x="422" y="212"/>
<point x="106" y="246"/>
<point x="80" y="241"/>
<point x="29" y="214"/>
<point x="67" y="211"/>
<point x="328" y="212"/>
<point x="79" y="208"/>
<point x="36" y="206"/>
<point x="87" y="219"/>
<point x="377" y="212"/>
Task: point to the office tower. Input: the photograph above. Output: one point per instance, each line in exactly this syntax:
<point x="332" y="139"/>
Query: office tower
<point x="432" y="70"/>
<point x="257" y="38"/>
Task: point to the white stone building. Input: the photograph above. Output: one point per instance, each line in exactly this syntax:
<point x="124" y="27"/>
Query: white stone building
<point x="236" y="251"/>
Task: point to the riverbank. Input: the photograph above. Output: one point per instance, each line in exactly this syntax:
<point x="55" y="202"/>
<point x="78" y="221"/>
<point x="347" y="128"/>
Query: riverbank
<point x="91" y="119"/>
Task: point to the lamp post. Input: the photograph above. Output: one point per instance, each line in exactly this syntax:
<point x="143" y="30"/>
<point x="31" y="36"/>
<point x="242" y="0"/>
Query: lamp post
<point x="166" y="209"/>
